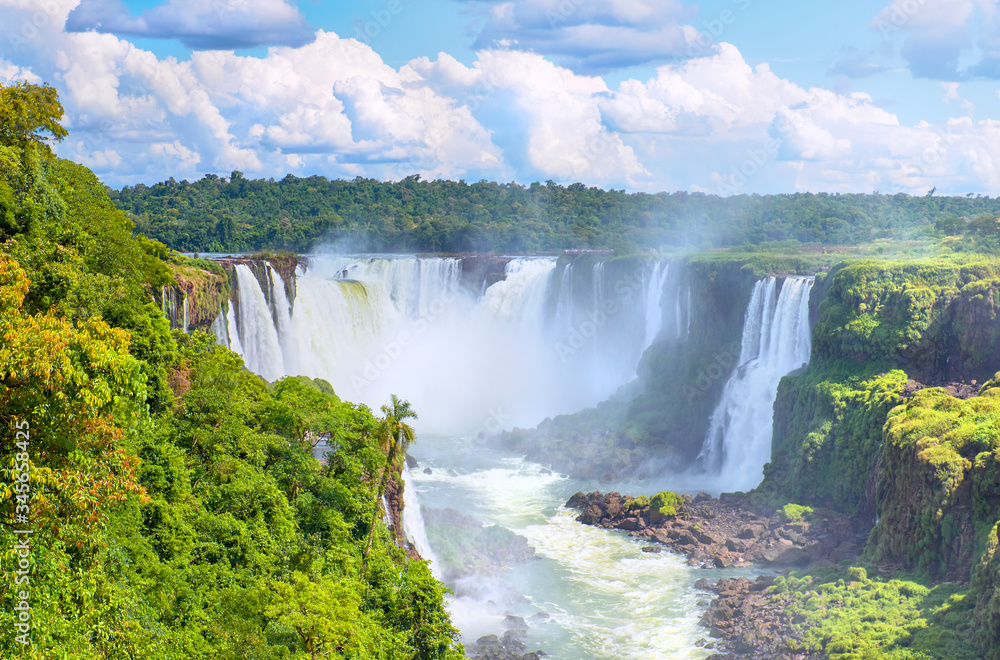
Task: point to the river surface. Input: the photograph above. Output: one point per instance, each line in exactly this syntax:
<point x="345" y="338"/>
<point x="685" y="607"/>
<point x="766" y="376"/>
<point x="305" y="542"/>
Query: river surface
<point x="606" y="598"/>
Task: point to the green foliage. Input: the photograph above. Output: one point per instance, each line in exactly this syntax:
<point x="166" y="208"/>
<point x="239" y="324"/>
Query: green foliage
<point x="827" y="438"/>
<point x="846" y="616"/>
<point x="940" y="484"/>
<point x="26" y="112"/>
<point x="666" y="502"/>
<point x="932" y="318"/>
<point x="239" y="214"/>
<point x="795" y="512"/>
<point x="177" y="507"/>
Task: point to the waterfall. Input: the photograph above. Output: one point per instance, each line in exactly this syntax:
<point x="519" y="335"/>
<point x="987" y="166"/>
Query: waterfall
<point x="413" y="524"/>
<point x="386" y="515"/>
<point x="184" y="328"/>
<point x="233" y="331"/>
<point x="776" y="341"/>
<point x="520" y="298"/>
<point x="282" y="312"/>
<point x="564" y="301"/>
<point x="219" y="329"/>
<point x="538" y="342"/>
<point x="598" y="285"/>
<point x="654" y="296"/>
<point x="258" y="336"/>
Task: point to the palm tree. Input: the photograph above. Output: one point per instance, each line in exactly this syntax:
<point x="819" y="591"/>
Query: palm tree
<point x="396" y="436"/>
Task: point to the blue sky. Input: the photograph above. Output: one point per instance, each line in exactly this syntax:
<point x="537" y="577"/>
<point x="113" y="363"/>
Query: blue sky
<point x="721" y="96"/>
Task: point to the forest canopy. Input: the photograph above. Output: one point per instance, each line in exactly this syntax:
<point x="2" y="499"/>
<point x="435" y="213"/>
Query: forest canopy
<point x="217" y="214"/>
<point x="174" y="503"/>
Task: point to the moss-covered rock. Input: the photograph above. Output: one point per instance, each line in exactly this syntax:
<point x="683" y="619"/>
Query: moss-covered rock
<point x="938" y="487"/>
<point x="827" y="439"/>
<point x="934" y="319"/>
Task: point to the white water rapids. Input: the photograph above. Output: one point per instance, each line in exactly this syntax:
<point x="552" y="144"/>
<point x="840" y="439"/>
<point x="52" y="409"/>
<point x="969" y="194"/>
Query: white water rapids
<point x="544" y="339"/>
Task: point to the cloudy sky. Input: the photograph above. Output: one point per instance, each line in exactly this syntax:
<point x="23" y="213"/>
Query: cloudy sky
<point x="720" y="96"/>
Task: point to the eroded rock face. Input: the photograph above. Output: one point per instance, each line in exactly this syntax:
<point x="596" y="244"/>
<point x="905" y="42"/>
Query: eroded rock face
<point x="720" y="534"/>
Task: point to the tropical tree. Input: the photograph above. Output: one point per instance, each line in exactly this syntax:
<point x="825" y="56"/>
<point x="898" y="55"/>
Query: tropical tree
<point x="395" y="436"/>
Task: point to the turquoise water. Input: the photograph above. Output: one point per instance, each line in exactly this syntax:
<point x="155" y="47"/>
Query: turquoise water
<point x="606" y="599"/>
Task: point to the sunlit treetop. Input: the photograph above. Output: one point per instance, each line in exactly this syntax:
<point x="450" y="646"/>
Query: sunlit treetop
<point x="30" y="114"/>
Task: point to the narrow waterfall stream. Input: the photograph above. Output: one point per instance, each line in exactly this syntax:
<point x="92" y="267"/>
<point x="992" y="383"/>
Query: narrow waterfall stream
<point x="544" y="339"/>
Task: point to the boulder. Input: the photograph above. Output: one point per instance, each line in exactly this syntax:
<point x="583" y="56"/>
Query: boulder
<point x="750" y="532"/>
<point x="512" y="622"/>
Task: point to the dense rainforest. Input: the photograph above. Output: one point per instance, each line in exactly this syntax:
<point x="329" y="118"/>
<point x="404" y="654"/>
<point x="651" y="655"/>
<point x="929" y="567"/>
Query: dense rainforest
<point x="365" y="215"/>
<point x="175" y="505"/>
<point x="171" y="499"/>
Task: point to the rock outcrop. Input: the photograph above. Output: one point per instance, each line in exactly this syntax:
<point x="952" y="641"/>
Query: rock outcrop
<point x="727" y="532"/>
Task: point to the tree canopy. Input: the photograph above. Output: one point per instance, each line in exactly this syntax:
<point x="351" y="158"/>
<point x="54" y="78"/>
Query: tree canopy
<point x="412" y="215"/>
<point x="176" y="508"/>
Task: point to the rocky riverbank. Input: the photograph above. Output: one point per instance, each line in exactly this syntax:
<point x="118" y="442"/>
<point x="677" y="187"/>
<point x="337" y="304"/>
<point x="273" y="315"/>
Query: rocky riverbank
<point x="748" y="622"/>
<point x="745" y="620"/>
<point x="727" y="532"/>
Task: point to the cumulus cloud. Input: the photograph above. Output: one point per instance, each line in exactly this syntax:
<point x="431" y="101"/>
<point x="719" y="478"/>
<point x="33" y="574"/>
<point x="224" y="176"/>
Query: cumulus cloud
<point x="945" y="39"/>
<point x="592" y="35"/>
<point x="11" y="73"/>
<point x="710" y="122"/>
<point x="199" y="24"/>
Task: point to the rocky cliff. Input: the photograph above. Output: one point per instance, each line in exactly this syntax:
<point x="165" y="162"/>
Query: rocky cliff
<point x="196" y="295"/>
<point x="891" y="421"/>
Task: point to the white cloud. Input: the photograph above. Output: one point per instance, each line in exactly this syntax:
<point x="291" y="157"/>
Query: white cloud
<point x="334" y="107"/>
<point x="11" y="73"/>
<point x="592" y="35"/>
<point x="947" y="40"/>
<point x="198" y="24"/>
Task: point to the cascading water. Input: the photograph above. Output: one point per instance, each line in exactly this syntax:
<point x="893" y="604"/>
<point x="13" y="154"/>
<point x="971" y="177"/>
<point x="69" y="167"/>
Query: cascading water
<point x="282" y="313"/>
<point x="233" y="331"/>
<point x="776" y="341"/>
<point x="540" y="341"/>
<point x="258" y="336"/>
<point x="413" y="524"/>
<point x="377" y="326"/>
<point x="654" y="294"/>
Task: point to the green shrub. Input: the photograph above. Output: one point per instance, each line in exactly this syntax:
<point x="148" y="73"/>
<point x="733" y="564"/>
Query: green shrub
<point x="666" y="502"/>
<point x="795" y="512"/>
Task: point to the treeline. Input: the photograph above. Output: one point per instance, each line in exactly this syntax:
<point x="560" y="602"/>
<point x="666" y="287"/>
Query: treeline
<point x="239" y="214"/>
<point x="172" y="503"/>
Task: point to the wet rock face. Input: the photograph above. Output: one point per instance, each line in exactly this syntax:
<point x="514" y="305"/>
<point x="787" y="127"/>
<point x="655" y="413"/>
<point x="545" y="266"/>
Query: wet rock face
<point x="508" y="647"/>
<point x="725" y="533"/>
